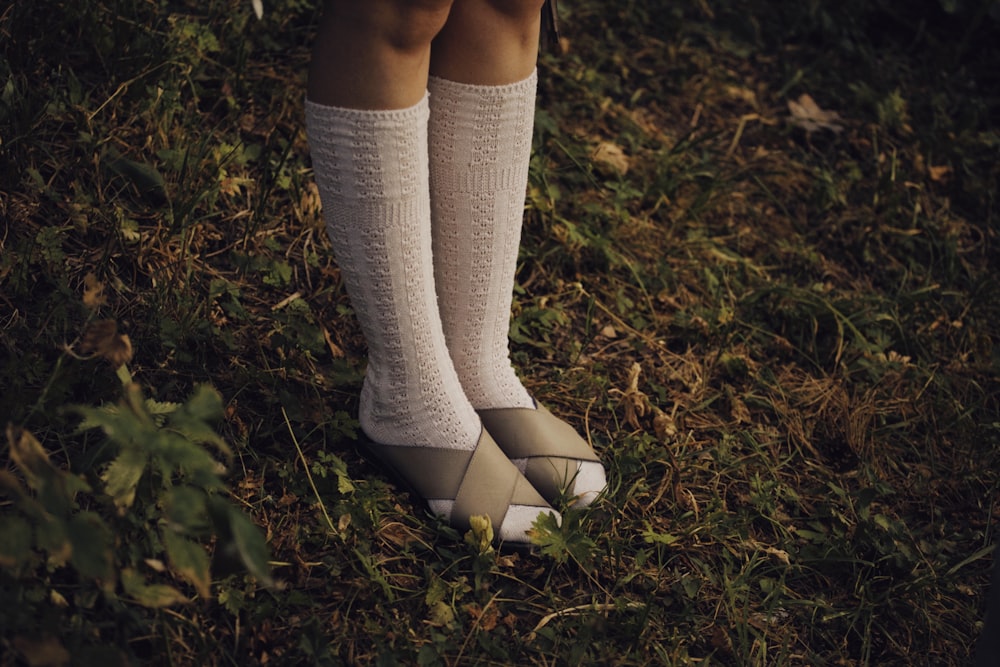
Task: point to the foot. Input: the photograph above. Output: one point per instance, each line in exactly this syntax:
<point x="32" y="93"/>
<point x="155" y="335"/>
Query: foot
<point x="461" y="484"/>
<point x="550" y="453"/>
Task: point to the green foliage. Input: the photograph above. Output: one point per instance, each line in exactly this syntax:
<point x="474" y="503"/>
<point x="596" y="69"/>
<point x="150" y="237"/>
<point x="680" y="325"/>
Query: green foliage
<point x="160" y="460"/>
<point x="167" y="494"/>
<point x="566" y="540"/>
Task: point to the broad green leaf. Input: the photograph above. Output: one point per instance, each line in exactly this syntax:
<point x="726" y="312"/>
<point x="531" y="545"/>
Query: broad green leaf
<point x="73" y="484"/>
<point x="200" y="433"/>
<point x="208" y="479"/>
<point x="186" y="510"/>
<point x="33" y="505"/>
<point x="193" y="418"/>
<point x="159" y="410"/>
<point x="563" y="541"/>
<point x="93" y="544"/>
<point x="189" y="559"/>
<point x="329" y="462"/>
<point x="547" y="534"/>
<point x="233" y="599"/>
<point x="251" y="545"/>
<point x="52" y="537"/>
<point x="691" y="586"/>
<point x="161" y="407"/>
<point x="136" y="405"/>
<point x="205" y="404"/>
<point x="179" y="453"/>
<point x="344" y="483"/>
<point x="147" y="180"/>
<point x="95" y="417"/>
<point x="123" y="475"/>
<point x="15" y="545"/>
<point x="240" y="539"/>
<point x="153" y="596"/>
<point x="22" y="497"/>
<point x="125" y="424"/>
<point x="12" y="485"/>
<point x="437" y="590"/>
<point x="33" y="461"/>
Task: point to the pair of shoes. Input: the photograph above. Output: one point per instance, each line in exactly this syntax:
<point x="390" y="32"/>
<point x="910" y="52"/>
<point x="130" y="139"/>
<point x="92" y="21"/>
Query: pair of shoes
<point x="530" y="457"/>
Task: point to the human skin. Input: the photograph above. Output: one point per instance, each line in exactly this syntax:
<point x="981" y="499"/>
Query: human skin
<point x="377" y="54"/>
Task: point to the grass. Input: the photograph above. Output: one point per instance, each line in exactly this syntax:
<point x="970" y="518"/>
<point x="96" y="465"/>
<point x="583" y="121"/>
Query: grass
<point x="782" y="342"/>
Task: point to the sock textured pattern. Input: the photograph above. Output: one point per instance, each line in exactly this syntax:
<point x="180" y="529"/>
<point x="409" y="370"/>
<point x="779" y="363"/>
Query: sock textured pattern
<point x="371" y="168"/>
<point x="480" y="149"/>
<point x="480" y="146"/>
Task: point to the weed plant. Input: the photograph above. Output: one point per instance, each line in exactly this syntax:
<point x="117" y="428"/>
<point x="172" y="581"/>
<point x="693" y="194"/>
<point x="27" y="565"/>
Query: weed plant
<point x="759" y="270"/>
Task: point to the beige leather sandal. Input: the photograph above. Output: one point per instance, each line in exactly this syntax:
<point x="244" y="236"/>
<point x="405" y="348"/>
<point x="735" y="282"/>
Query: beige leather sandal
<point x="551" y="448"/>
<point x="482" y="481"/>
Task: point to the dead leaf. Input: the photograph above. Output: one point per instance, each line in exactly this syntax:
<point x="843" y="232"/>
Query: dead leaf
<point x="810" y="117"/>
<point x="743" y="94"/>
<point x="635" y="403"/>
<point x="46" y="652"/>
<point x="335" y="350"/>
<point x="103" y="340"/>
<point x="719" y="639"/>
<point x="310" y="202"/>
<point x="739" y="411"/>
<point x="30" y="457"/>
<point x="939" y="174"/>
<point x="780" y="554"/>
<point x="232" y="186"/>
<point x="664" y="425"/>
<point x="156" y="564"/>
<point x="487" y="618"/>
<point x="684" y="498"/>
<point x="93" y="292"/>
<point x="611" y="158"/>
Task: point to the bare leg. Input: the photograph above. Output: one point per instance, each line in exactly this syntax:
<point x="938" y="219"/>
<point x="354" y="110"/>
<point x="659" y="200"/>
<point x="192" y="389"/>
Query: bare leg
<point x="488" y="42"/>
<point x="374" y="54"/>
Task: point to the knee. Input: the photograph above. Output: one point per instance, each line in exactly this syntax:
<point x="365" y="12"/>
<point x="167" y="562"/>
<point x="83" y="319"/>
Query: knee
<point x="405" y="25"/>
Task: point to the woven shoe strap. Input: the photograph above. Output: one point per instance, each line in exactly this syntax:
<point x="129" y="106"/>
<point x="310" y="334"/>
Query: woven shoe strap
<point x="482" y="481"/>
<point x="552" y="447"/>
<point x="528" y="433"/>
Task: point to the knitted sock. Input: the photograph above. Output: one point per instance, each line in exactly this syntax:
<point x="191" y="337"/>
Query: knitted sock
<point x="480" y="147"/>
<point x="371" y="169"/>
<point x="480" y="144"/>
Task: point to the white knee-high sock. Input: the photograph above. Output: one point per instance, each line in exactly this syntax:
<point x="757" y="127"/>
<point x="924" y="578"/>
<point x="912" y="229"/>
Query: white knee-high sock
<point x="372" y="171"/>
<point x="480" y="145"/>
<point x="480" y="149"/>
